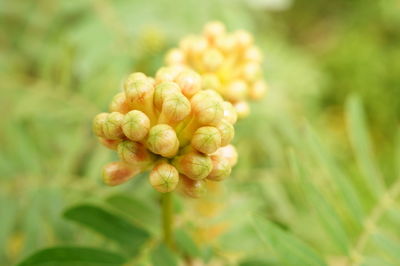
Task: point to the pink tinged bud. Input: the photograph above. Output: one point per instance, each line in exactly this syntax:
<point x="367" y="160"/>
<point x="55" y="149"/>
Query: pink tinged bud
<point x="242" y="109"/>
<point x="227" y="132"/>
<point x="258" y="90"/>
<point x="207" y="107"/>
<point x="110" y="143"/>
<point x="175" y="57"/>
<point x="162" y="90"/>
<point x="194" y="165"/>
<point x="230" y="114"/>
<point x="175" y="108"/>
<point x="213" y="30"/>
<point x="136" y="125"/>
<point x="221" y="168"/>
<point x="112" y="128"/>
<point x="243" y="39"/>
<point x="164" y="177"/>
<point x="192" y="188"/>
<point x="134" y="154"/>
<point x="162" y="140"/>
<point x="116" y="173"/>
<point x="251" y="71"/>
<point x="252" y="54"/>
<point x="236" y="91"/>
<point x="119" y="104"/>
<point x="189" y="82"/>
<point x="212" y="60"/>
<point x="206" y="139"/>
<point x="98" y="122"/>
<point x="228" y="152"/>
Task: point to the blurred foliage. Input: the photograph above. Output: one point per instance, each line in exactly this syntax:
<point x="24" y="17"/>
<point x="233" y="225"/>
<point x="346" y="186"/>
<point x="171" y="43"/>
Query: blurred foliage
<point x="317" y="181"/>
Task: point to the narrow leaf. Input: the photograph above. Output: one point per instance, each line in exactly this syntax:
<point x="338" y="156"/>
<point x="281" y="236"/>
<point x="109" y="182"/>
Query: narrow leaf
<point x="163" y="256"/>
<point x="186" y="243"/>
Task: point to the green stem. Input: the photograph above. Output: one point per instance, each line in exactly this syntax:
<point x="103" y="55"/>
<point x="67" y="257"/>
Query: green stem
<point x="167" y="219"/>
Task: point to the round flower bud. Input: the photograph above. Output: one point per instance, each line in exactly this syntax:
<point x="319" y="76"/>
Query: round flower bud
<point x="198" y="47"/>
<point x="189" y="82"/>
<point x="136" y="125"/>
<point x="139" y="92"/>
<point x="110" y="143"/>
<point x="175" y="108"/>
<point x="194" y="165"/>
<point x="221" y="168"/>
<point x="229" y="152"/>
<point x="98" y="122"/>
<point x="162" y="140"/>
<point x="230" y="114"/>
<point x="112" y="127"/>
<point x="119" y="104"/>
<point x="213" y="30"/>
<point x="243" y="39"/>
<point x="211" y="82"/>
<point x="252" y="54"/>
<point x="242" y="109"/>
<point x="162" y="90"/>
<point x="251" y="71"/>
<point x="258" y="89"/>
<point x="175" y="57"/>
<point x="212" y="59"/>
<point x="227" y="132"/>
<point x="164" y="177"/>
<point x="208" y="110"/>
<point x="134" y="153"/>
<point x="187" y="43"/>
<point x="116" y="173"/>
<point x="168" y="74"/>
<point x="236" y="91"/>
<point x="206" y="139"/>
<point x="192" y="188"/>
<point x="134" y="77"/>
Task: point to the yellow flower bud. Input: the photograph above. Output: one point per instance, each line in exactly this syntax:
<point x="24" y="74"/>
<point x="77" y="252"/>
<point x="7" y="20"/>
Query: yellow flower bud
<point x="221" y="168"/>
<point x="168" y="74"/>
<point x="242" y="109"/>
<point x="175" y="108"/>
<point x="134" y="153"/>
<point x="252" y="54"/>
<point x="162" y="90"/>
<point x="110" y="143"/>
<point x="116" y="173"/>
<point x="98" y="122"/>
<point x="258" y="89"/>
<point x="112" y="127"/>
<point x="119" y="104"/>
<point x="251" y="71"/>
<point x="175" y="57"/>
<point x="193" y="165"/>
<point x="136" y="125"/>
<point x="212" y="59"/>
<point x="211" y="82"/>
<point x="208" y="110"/>
<point x="139" y="94"/>
<point x="213" y="30"/>
<point x="227" y="132"/>
<point x="192" y="188"/>
<point x="243" y="39"/>
<point x="236" y="91"/>
<point x="198" y="47"/>
<point x="230" y="114"/>
<point x="206" y="139"/>
<point x="164" y="177"/>
<point x="229" y="152"/>
<point x="226" y="44"/>
<point x="162" y="140"/>
<point x="189" y="82"/>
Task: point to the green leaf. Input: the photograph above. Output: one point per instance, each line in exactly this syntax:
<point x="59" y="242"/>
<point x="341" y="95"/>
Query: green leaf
<point x="186" y="243"/>
<point x="143" y="213"/>
<point x="128" y="236"/>
<point x="76" y="256"/>
<point x="388" y="245"/>
<point x="290" y="249"/>
<point x="163" y="256"/>
<point x="362" y="147"/>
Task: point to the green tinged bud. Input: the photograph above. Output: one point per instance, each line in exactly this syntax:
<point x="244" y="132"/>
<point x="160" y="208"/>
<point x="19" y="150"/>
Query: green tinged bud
<point x="112" y="127"/>
<point x="207" y="107"/>
<point x="162" y="90"/>
<point x="136" y="125"/>
<point x="221" y="168"/>
<point x="175" y="108"/>
<point x="162" y="140"/>
<point x="134" y="153"/>
<point x="206" y="139"/>
<point x="227" y="132"/>
<point x="194" y="165"/>
<point x="189" y="82"/>
<point x="192" y="188"/>
<point x="168" y="74"/>
<point x="98" y="122"/>
<point x="164" y="177"/>
<point x="139" y="94"/>
<point x="116" y="173"/>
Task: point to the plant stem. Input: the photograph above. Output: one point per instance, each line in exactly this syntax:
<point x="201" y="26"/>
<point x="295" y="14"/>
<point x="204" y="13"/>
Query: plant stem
<point x="167" y="219"/>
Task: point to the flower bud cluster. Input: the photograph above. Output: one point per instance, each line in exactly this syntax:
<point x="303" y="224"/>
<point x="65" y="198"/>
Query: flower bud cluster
<point x="170" y="126"/>
<point x="229" y="63"/>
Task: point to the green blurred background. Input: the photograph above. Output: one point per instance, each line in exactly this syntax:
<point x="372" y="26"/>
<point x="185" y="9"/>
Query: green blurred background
<point x="333" y="69"/>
